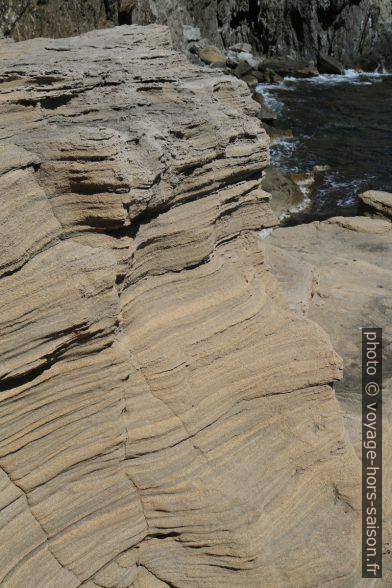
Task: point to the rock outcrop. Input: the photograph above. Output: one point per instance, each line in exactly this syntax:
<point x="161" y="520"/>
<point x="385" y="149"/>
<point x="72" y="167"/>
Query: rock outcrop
<point x="165" y="418"/>
<point x="24" y="19"/>
<point x="339" y="272"/>
<point x="286" y="195"/>
<point x="377" y="204"/>
<point x="357" y="32"/>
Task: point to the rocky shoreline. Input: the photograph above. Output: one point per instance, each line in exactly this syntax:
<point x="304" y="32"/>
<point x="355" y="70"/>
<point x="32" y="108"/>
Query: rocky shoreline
<point x="290" y="191"/>
<point x="166" y="418"/>
<point x="319" y="264"/>
<point x="173" y="411"/>
<point x="237" y="40"/>
<point x="357" y="33"/>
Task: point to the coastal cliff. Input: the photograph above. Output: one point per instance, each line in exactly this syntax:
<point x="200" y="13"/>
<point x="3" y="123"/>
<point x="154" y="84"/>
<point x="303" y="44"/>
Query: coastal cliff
<point x="357" y="32"/>
<point x="166" y="419"/>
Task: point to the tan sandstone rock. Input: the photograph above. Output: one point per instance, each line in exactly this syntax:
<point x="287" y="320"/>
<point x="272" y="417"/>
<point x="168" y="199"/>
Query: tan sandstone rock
<point x="165" y="418"/>
<point x="286" y="195"/>
<point x="379" y="203"/>
<point x="353" y="257"/>
<point x="213" y="56"/>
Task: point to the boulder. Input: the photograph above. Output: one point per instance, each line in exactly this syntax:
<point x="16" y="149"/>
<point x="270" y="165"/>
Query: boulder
<point x="193" y="56"/>
<point x="377" y="203"/>
<point x="259" y="75"/>
<point x="275" y="132"/>
<point x="285" y="66"/>
<point x="251" y="81"/>
<point x="267" y="76"/>
<point x="254" y="62"/>
<point x="329" y="65"/>
<point x="232" y="59"/>
<point x="242" y="69"/>
<point x="212" y="56"/>
<point x="273" y="77"/>
<point x="285" y="193"/>
<point x="259" y="98"/>
<point x="267" y="115"/>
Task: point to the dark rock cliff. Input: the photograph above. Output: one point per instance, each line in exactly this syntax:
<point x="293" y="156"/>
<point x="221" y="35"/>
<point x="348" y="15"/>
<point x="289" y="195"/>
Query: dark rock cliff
<point x="24" y="19"/>
<point x="356" y="31"/>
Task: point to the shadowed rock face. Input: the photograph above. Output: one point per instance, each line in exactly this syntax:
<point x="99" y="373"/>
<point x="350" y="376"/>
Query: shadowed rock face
<point x="358" y="32"/>
<point x="24" y="19"/>
<point x="165" y="418"/>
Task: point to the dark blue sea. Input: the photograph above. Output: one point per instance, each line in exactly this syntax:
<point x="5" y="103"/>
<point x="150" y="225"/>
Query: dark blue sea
<point x="343" y="123"/>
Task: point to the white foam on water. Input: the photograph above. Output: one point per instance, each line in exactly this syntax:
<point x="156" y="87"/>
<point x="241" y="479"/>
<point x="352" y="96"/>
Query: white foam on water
<point x="349" y="188"/>
<point x="344" y="189"/>
<point x="282" y="149"/>
<point x="270" y="100"/>
<point x="287" y="143"/>
<point x="350" y="76"/>
<point x="305" y="187"/>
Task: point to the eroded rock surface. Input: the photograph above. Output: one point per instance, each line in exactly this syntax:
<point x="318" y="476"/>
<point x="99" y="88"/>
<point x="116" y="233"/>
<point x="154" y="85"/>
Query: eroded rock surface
<point x="377" y="203"/>
<point x="165" y="418"/>
<point x="340" y="273"/>
<point x="285" y="193"/>
<point x="358" y="32"/>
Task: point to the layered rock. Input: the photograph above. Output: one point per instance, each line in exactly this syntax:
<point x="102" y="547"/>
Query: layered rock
<point x="357" y="32"/>
<point x="376" y="203"/>
<point x="25" y="19"/>
<point x="165" y="418"/>
<point x="339" y="272"/>
<point x="286" y="195"/>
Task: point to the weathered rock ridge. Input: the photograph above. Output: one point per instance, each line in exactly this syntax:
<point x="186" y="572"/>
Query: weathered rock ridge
<point x="358" y="32"/>
<point x="165" y="418"/>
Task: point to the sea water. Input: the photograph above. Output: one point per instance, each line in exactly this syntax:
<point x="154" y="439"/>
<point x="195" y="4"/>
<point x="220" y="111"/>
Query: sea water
<point x="342" y="125"/>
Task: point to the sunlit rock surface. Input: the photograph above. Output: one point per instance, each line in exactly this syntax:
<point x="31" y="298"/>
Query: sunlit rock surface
<point x="340" y="273"/>
<point x="165" y="418"/>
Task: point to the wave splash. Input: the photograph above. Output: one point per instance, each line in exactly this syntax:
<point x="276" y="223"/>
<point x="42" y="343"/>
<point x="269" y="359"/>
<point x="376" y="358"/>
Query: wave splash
<point x="343" y="122"/>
